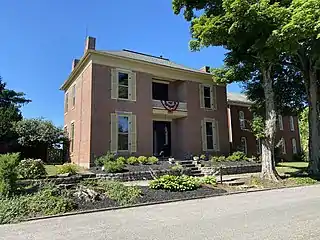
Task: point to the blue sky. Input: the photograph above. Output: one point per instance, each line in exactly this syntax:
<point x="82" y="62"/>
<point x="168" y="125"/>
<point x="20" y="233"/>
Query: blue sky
<point x="40" y="38"/>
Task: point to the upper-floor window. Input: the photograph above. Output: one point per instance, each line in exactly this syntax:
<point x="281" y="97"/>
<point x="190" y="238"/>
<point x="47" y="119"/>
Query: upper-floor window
<point x="291" y="121"/>
<point x="73" y="95"/>
<point x="123" y="84"/>
<point x="242" y="120"/>
<point x="207" y="96"/>
<point x="280" y="122"/>
<point x="294" y="146"/>
<point x="66" y="102"/>
<point x="243" y="145"/>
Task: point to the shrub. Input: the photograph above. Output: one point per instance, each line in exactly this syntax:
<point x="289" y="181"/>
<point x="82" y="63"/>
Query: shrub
<point x="132" y="160"/>
<point x="31" y="168"/>
<point x="122" y="159"/>
<point x="114" y="166"/>
<point x="68" y="168"/>
<point x="101" y="160"/>
<point x="153" y="160"/>
<point x="215" y="159"/>
<point x="8" y="173"/>
<point x="177" y="168"/>
<point x="203" y="157"/>
<point x="303" y="180"/>
<point x="175" y="183"/>
<point x="237" y="156"/>
<point x="210" y="180"/>
<point x="143" y="160"/>
<point x="299" y="157"/>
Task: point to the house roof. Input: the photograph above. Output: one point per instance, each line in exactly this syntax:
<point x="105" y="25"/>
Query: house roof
<point x="238" y="98"/>
<point x="151" y="59"/>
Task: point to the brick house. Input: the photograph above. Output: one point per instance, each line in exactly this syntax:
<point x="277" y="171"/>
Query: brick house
<point x="137" y="104"/>
<point x="241" y="138"/>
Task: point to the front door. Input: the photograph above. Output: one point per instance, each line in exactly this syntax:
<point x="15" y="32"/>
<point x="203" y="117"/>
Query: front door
<point x="162" y="138"/>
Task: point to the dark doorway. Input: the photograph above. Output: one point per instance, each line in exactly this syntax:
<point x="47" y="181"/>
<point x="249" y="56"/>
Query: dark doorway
<point x="162" y="138"/>
<point x="159" y="91"/>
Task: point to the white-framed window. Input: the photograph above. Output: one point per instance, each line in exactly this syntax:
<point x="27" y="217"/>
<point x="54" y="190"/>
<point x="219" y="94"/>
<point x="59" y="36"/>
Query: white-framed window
<point x="258" y="145"/>
<point x="123" y="132"/>
<point x="66" y="102"/>
<point x="72" y="137"/>
<point x="280" y="122"/>
<point x="242" y="120"/>
<point x="210" y="138"/>
<point x="283" y="147"/>
<point x="73" y="92"/>
<point x="294" y="146"/>
<point x="291" y="121"/>
<point x="243" y="145"/>
<point x="207" y="96"/>
<point x="123" y="86"/>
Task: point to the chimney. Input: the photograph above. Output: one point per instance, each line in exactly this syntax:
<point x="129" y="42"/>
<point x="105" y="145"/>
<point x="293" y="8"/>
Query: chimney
<point x="90" y="43"/>
<point x="205" y="69"/>
<point x="74" y="63"/>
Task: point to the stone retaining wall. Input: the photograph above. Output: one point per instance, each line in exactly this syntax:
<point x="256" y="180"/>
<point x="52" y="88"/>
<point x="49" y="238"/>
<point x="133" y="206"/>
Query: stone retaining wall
<point x="228" y="170"/>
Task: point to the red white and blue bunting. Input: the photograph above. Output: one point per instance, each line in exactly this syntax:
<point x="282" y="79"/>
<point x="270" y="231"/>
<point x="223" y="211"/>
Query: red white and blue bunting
<point x="170" y="105"/>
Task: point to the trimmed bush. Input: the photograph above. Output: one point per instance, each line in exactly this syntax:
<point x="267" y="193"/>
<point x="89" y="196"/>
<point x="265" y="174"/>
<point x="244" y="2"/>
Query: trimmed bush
<point x="210" y="180"/>
<point x="175" y="183"/>
<point x="237" y="156"/>
<point x="114" y="166"/>
<point x="68" y="168"/>
<point x="143" y="160"/>
<point x="122" y="159"/>
<point x="203" y="157"/>
<point x="31" y="168"/>
<point x="132" y="160"/>
<point x="8" y="173"/>
<point x="153" y="160"/>
<point x="215" y="159"/>
<point x="177" y="168"/>
<point x="102" y="159"/>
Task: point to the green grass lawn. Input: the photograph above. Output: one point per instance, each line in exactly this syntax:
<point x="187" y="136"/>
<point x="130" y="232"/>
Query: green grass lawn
<point x="291" y="167"/>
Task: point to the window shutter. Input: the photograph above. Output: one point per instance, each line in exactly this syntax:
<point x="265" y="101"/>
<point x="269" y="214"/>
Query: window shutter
<point x="203" y="135"/>
<point x="133" y="133"/>
<point x="201" y="96"/>
<point x="216" y="136"/>
<point x="114" y="133"/>
<point x="212" y="97"/>
<point x="114" y="84"/>
<point x="132" y="89"/>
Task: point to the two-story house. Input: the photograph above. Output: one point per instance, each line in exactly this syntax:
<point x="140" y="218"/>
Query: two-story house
<point x="137" y="104"/>
<point x="242" y="138"/>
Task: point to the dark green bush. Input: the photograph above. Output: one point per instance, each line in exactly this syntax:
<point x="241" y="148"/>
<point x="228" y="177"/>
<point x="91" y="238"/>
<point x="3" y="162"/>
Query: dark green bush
<point x="68" y="168"/>
<point x="299" y="157"/>
<point x="237" y="156"/>
<point x="8" y="173"/>
<point x="132" y="160"/>
<point x="101" y="160"/>
<point x="153" y="160"/>
<point x="175" y="183"/>
<point x="31" y="168"/>
<point x="114" y="166"/>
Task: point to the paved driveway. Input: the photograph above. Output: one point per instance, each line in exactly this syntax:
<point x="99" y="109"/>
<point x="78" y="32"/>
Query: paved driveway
<point x="279" y="214"/>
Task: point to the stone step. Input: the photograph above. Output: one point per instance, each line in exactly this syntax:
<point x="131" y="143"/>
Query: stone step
<point x="185" y="162"/>
<point x="197" y="174"/>
<point x="188" y="165"/>
<point x="195" y="171"/>
<point x="235" y="183"/>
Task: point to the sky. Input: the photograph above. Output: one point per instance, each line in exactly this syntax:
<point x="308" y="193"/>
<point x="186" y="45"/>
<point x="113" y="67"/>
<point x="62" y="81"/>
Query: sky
<point x="39" y="39"/>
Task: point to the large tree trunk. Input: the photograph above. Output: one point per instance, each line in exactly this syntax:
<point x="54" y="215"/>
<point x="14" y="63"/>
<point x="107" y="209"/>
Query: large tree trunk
<point x="268" y="170"/>
<point x="314" y="125"/>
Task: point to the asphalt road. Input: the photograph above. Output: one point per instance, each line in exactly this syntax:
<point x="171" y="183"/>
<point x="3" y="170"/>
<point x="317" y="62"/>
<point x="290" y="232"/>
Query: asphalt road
<point x="279" y="214"/>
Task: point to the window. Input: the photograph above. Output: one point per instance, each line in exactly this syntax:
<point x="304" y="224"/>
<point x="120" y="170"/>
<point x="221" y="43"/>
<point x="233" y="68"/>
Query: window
<point x="123" y="85"/>
<point x="243" y="145"/>
<point x="294" y="146"/>
<point x="280" y="122"/>
<point x="291" y="123"/>
<point x="73" y="95"/>
<point x="242" y="120"/>
<point x="207" y="97"/>
<point x="209" y="135"/>
<point x="283" y="146"/>
<point x="66" y="100"/>
<point x="123" y="133"/>
<point x="258" y="144"/>
<point x="72" y="137"/>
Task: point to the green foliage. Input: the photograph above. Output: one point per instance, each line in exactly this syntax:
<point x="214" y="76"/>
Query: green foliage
<point x="175" y="183"/>
<point x="303" y="180"/>
<point x="123" y="195"/>
<point x="258" y="127"/>
<point x="132" y="160"/>
<point x="203" y="157"/>
<point x="304" y="129"/>
<point x="101" y="160"/>
<point x="31" y="168"/>
<point x="210" y="180"/>
<point x="153" y="160"/>
<point x="8" y="173"/>
<point x="121" y="159"/>
<point x="114" y="166"/>
<point x="48" y="201"/>
<point x="143" y="159"/>
<point x="237" y="156"/>
<point x="8" y="116"/>
<point x="215" y="159"/>
<point x="177" y="168"/>
<point x="299" y="157"/>
<point x="68" y="168"/>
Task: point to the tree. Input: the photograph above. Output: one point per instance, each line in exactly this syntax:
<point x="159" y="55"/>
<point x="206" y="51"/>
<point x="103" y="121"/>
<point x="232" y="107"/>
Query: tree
<point x="244" y="28"/>
<point x="10" y="97"/>
<point x="304" y="129"/>
<point x="37" y="136"/>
